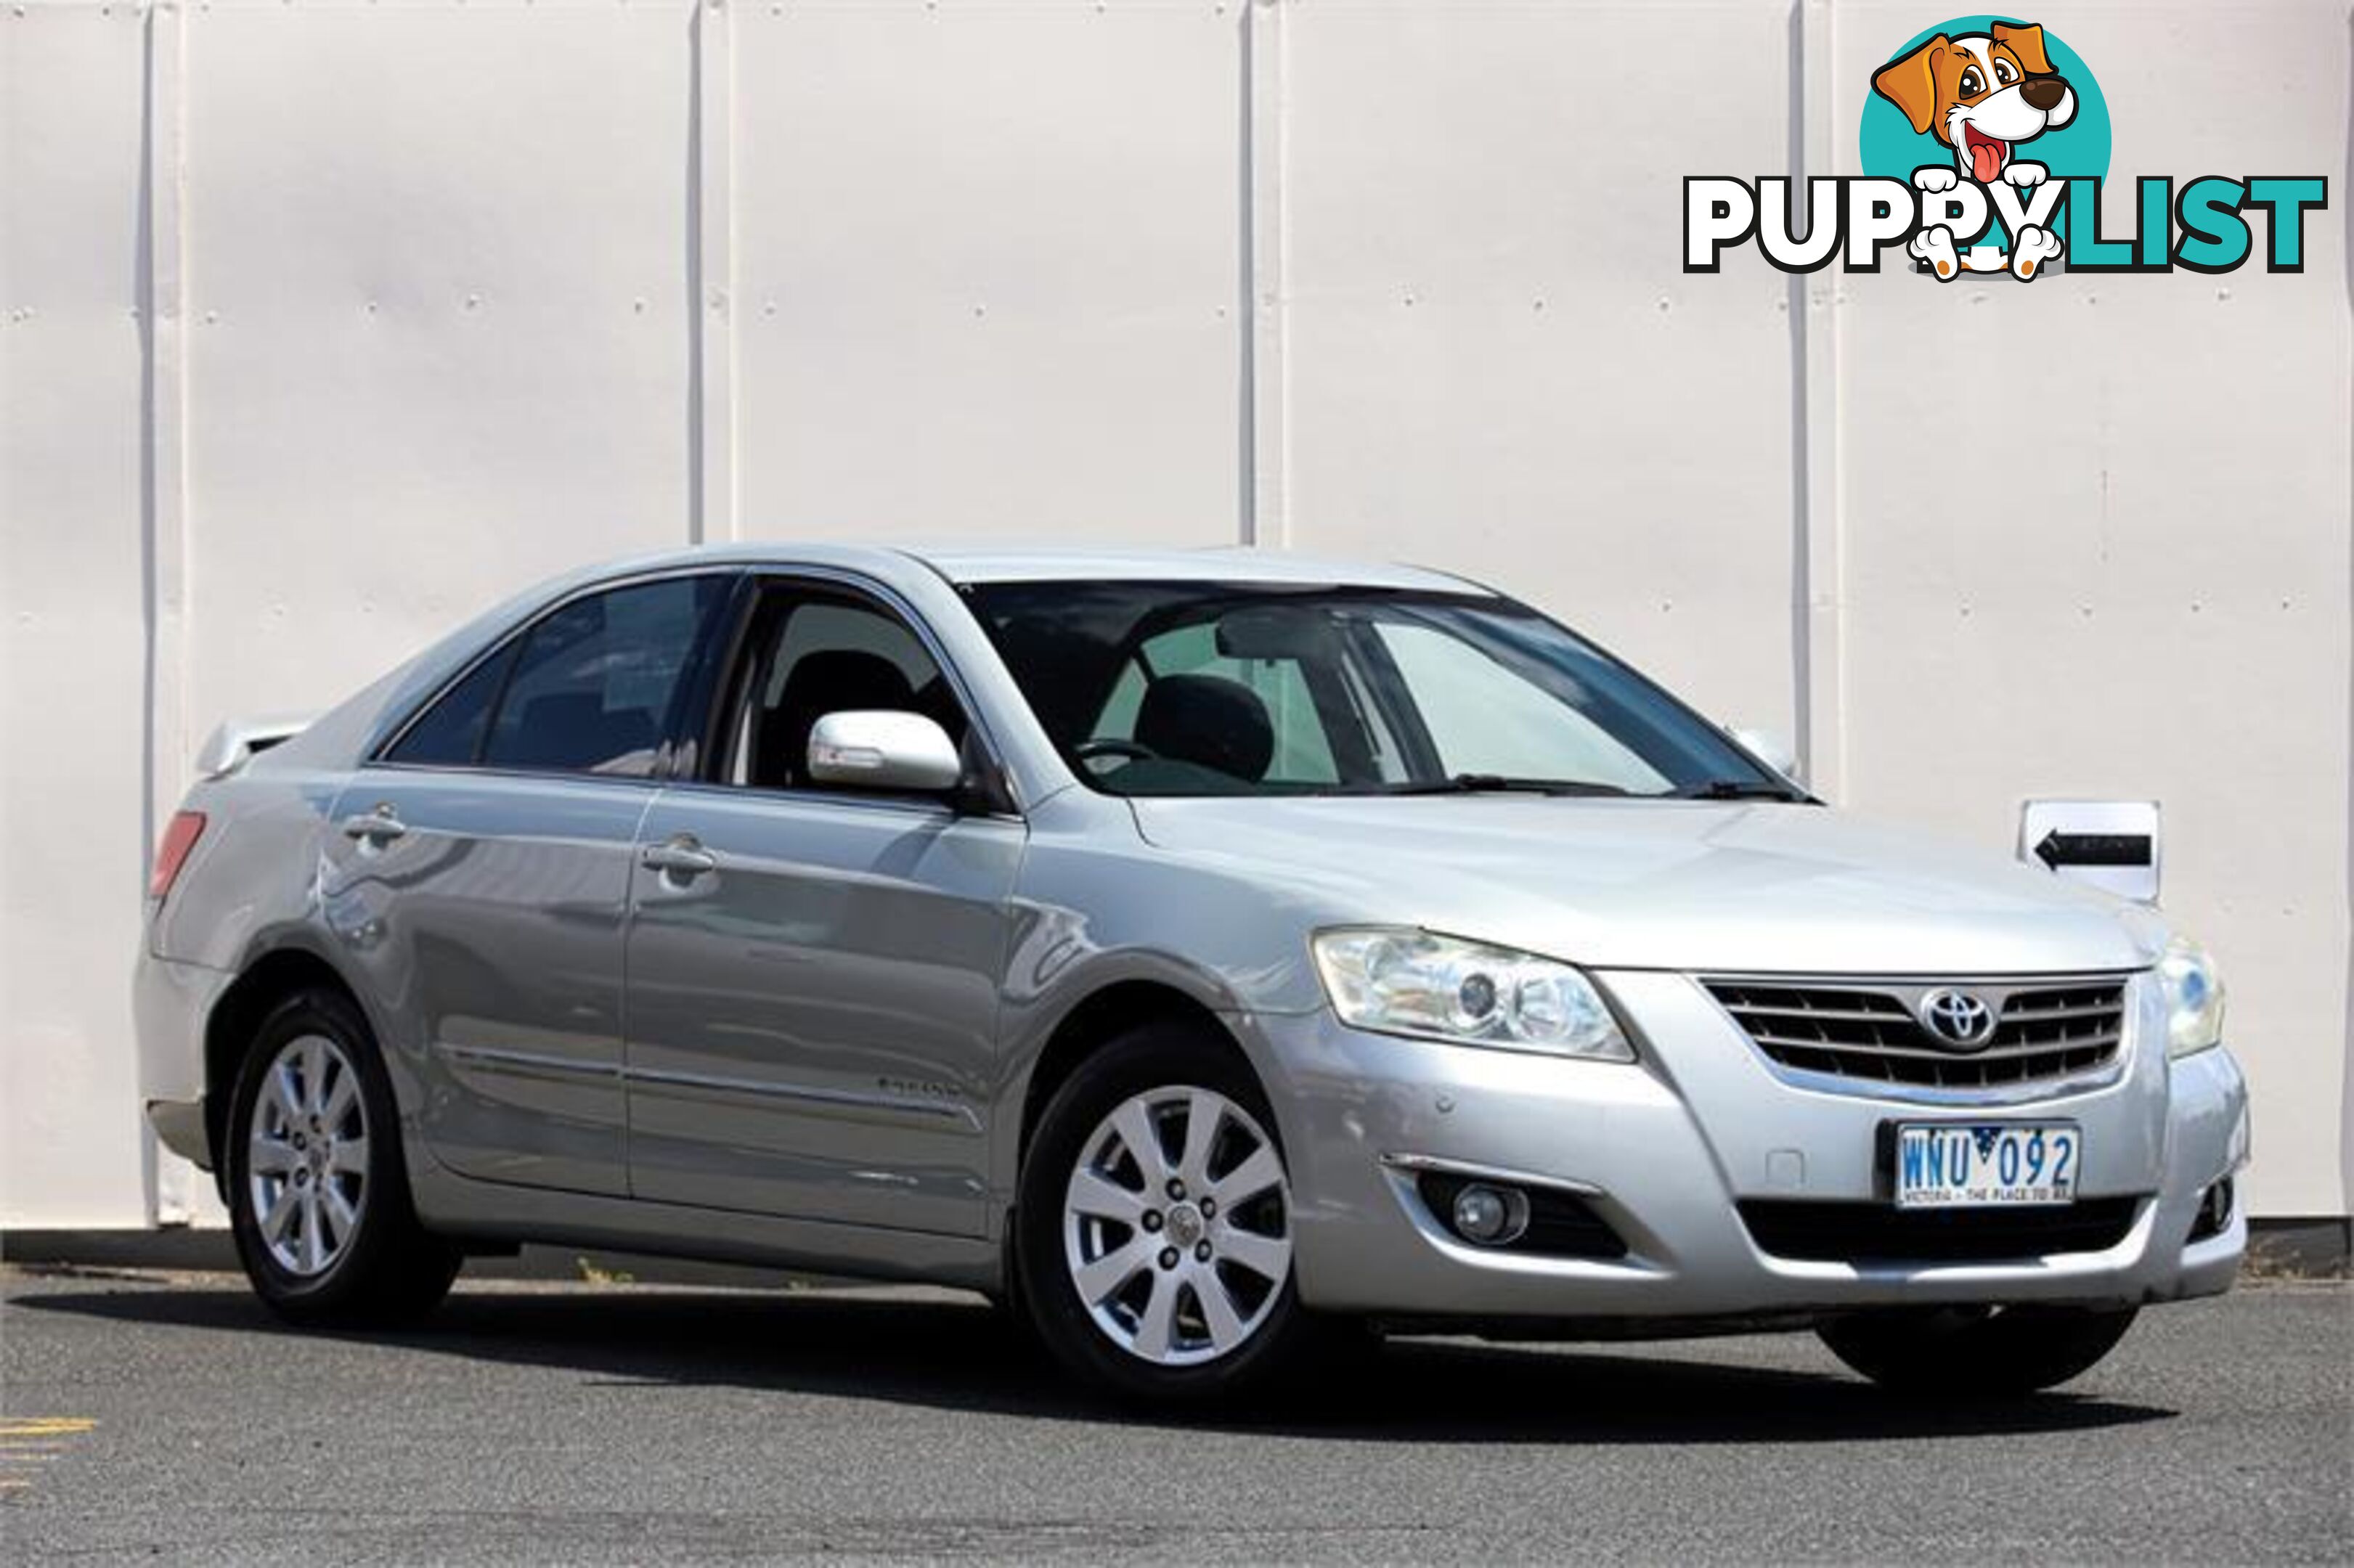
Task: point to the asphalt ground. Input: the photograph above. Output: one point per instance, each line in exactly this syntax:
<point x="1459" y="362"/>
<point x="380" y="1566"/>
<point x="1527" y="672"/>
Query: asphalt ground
<point x="167" y="1417"/>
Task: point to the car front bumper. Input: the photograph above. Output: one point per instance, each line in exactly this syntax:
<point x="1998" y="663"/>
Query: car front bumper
<point x="1666" y="1149"/>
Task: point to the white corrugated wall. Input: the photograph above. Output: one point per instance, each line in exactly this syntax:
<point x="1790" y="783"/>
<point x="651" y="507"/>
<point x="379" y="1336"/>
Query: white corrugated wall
<point x="324" y="323"/>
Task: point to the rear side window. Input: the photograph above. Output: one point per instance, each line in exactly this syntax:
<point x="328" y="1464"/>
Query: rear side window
<point x="450" y="733"/>
<point x="593" y="681"/>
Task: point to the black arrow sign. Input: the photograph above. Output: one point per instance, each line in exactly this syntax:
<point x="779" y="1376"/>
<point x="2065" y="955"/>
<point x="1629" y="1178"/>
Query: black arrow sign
<point x="2059" y="849"/>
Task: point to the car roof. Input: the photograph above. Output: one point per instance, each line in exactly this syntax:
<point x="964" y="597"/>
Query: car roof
<point x="981" y="563"/>
<point x="984" y="564"/>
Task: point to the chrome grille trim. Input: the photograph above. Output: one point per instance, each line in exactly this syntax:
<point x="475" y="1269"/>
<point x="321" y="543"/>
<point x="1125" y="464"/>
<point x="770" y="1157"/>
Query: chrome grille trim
<point x="1858" y="1033"/>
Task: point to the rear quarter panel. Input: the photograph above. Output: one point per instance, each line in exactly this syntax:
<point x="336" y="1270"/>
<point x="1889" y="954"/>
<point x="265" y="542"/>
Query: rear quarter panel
<point x="255" y="869"/>
<point x="254" y="875"/>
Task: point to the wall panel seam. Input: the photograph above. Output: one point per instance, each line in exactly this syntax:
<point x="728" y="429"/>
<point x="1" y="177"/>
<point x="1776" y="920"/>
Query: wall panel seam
<point x="1265" y="389"/>
<point x="1819" y="484"/>
<point x="713" y="479"/>
<point x="161" y="288"/>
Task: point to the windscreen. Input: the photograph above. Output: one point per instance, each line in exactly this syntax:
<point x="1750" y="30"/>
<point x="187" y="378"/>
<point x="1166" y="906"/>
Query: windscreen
<point x="1153" y="688"/>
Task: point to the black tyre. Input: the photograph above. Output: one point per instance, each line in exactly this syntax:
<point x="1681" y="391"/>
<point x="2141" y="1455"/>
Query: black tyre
<point x="1963" y="1352"/>
<point x="1152" y="1237"/>
<point x="318" y="1191"/>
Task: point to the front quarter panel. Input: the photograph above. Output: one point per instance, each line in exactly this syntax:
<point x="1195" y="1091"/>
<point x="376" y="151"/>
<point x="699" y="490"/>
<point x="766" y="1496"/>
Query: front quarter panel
<point x="1098" y="907"/>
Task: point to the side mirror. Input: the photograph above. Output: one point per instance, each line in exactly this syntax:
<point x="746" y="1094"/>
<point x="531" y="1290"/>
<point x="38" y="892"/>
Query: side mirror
<point x="881" y="749"/>
<point x="1769" y="748"/>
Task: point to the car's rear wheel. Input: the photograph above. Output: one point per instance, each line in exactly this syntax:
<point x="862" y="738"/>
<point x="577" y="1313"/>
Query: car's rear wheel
<point x="318" y="1191"/>
<point x="1154" y="1231"/>
<point x="1977" y="1352"/>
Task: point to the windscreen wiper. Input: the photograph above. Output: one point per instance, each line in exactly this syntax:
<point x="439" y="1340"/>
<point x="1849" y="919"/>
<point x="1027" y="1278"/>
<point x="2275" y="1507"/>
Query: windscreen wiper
<point x="1498" y="784"/>
<point x="1739" y="790"/>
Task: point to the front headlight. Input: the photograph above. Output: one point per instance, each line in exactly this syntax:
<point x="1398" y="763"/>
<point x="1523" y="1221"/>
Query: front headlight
<point x="1404" y="982"/>
<point x="2194" y="997"/>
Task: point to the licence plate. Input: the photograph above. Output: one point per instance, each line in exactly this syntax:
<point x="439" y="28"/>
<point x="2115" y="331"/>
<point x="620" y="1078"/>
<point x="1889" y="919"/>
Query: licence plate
<point x="1962" y="1165"/>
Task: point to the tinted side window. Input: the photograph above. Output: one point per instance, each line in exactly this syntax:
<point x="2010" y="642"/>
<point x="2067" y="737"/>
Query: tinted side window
<point x="450" y="733"/>
<point x="593" y="685"/>
<point x="809" y="655"/>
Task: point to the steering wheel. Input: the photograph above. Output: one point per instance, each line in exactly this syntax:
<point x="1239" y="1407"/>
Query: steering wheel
<point x="1112" y="745"/>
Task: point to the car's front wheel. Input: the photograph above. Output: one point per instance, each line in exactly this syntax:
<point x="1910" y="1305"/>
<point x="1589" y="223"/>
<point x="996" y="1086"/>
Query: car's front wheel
<point x="318" y="1191"/>
<point x="1154" y="1231"/>
<point x="1977" y="1352"/>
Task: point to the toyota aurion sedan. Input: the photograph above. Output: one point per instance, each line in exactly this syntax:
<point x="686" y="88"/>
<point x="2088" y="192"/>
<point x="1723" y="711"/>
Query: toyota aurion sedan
<point x="1208" y="953"/>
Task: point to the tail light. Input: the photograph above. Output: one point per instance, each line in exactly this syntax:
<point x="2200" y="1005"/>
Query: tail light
<point x="171" y="855"/>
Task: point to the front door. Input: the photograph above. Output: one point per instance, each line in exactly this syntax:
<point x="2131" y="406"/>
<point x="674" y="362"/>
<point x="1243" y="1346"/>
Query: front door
<point x="814" y="972"/>
<point x="480" y="881"/>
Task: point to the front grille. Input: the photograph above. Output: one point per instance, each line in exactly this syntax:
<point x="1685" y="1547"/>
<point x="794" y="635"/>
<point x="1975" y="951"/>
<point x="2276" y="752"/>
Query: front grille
<point x="1883" y="1234"/>
<point x="1856" y="1029"/>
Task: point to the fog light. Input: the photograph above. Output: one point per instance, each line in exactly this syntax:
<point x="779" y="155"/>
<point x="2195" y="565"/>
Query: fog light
<point x="1489" y="1216"/>
<point x="2214" y="1210"/>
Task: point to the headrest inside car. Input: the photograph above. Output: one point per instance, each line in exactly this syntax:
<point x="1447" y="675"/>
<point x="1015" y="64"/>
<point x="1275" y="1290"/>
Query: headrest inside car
<point x="1207" y="720"/>
<point x="831" y="681"/>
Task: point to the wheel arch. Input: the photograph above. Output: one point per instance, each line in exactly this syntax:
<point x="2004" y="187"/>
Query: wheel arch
<point x="267" y="980"/>
<point x="1101" y="1016"/>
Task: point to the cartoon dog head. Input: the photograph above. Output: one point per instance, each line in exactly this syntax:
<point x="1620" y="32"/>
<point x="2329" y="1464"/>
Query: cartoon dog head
<point x="1982" y="93"/>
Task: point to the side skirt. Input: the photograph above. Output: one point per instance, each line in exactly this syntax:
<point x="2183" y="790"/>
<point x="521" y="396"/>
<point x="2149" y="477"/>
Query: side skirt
<point x="476" y="1211"/>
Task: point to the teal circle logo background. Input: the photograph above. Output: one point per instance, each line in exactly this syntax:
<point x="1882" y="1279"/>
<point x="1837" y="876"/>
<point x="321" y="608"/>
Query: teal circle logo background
<point x="2079" y="148"/>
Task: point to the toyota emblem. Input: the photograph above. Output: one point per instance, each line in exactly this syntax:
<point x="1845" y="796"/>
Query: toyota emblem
<point x="1958" y="1019"/>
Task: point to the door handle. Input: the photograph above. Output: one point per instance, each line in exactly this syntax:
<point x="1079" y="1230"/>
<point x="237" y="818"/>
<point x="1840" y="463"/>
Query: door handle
<point x="380" y="826"/>
<point x="681" y="855"/>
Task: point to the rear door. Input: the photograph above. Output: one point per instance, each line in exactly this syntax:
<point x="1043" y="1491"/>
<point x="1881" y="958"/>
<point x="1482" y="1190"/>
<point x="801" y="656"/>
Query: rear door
<point x="481" y="879"/>
<point x="814" y="971"/>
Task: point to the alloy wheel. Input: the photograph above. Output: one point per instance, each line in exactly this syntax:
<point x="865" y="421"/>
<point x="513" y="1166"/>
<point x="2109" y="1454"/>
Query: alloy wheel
<point x="307" y="1155"/>
<point x="1177" y="1225"/>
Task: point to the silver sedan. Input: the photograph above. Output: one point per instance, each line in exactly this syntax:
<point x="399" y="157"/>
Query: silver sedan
<point x="1212" y="953"/>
